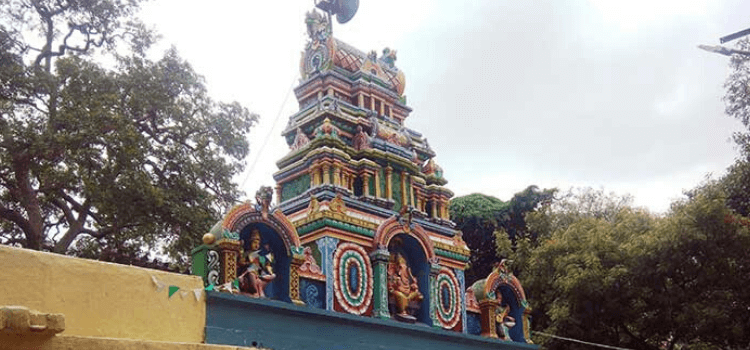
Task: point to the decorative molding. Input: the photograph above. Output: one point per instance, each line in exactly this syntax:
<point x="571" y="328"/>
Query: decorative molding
<point x="354" y="295"/>
<point x="448" y="304"/>
<point x="309" y="268"/>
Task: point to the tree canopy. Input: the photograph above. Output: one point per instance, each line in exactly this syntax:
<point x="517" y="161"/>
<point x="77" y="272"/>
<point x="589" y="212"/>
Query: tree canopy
<point x="479" y="216"/>
<point x="608" y="273"/>
<point x="121" y="156"/>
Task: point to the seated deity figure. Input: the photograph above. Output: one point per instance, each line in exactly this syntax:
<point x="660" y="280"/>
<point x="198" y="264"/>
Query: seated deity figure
<point x="258" y="266"/>
<point x="503" y="322"/>
<point x="402" y="285"/>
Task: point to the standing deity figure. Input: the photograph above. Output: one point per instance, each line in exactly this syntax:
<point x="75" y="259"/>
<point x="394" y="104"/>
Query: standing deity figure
<point x="402" y="285"/>
<point x="258" y="265"/>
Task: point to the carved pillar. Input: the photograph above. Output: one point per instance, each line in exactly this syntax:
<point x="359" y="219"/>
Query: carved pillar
<point x="326" y="246"/>
<point x="298" y="258"/>
<point x="462" y="295"/>
<point x="278" y="194"/>
<point x="388" y="184"/>
<point x="377" y="184"/>
<point x="404" y="201"/>
<point x="336" y="175"/>
<point x="311" y="172"/>
<point x="527" y="324"/>
<point x="412" y="195"/>
<point x="366" y="184"/>
<point x="434" y="271"/>
<point x="230" y="252"/>
<point x="487" y="310"/>
<point x="379" y="259"/>
<point x="361" y="101"/>
<point x="382" y="108"/>
<point x="326" y="176"/>
<point x="372" y="103"/>
<point x="433" y="214"/>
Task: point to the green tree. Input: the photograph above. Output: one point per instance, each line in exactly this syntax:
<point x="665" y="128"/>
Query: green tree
<point x="608" y="273"/>
<point x="481" y="218"/>
<point x="476" y="215"/>
<point x="111" y="159"/>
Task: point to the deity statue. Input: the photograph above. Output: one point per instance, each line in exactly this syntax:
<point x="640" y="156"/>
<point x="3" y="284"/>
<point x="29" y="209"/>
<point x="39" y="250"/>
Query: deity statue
<point x="361" y="140"/>
<point x="258" y="265"/>
<point x="503" y="322"/>
<point x="402" y="286"/>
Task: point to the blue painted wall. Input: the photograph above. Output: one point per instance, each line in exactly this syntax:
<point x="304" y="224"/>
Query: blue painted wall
<point x="242" y="321"/>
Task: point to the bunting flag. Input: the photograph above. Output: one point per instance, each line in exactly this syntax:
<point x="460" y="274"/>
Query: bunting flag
<point x="159" y="286"/>
<point x="174" y="289"/>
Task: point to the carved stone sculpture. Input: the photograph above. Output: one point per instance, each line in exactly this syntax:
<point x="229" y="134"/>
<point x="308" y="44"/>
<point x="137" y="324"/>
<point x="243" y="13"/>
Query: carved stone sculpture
<point x="402" y="287"/>
<point x="258" y="265"/>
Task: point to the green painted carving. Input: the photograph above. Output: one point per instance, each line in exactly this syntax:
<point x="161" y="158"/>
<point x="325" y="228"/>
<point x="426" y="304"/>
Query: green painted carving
<point x="408" y="194"/>
<point x="379" y="260"/>
<point x="371" y="185"/>
<point x="382" y="182"/>
<point x="451" y="255"/>
<point x="325" y="222"/>
<point x="295" y="187"/>
<point x="230" y="235"/>
<point x="396" y="187"/>
<point x="315" y="252"/>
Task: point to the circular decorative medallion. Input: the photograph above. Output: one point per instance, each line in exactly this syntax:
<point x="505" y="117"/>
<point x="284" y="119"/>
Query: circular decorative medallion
<point x="316" y="59"/>
<point x="352" y="278"/>
<point x="448" y="302"/>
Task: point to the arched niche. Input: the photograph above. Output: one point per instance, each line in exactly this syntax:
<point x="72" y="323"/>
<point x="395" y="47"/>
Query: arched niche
<point x="504" y="289"/>
<point x="398" y="235"/>
<point x="401" y="225"/>
<point x="246" y="213"/>
<point x="282" y="239"/>
<point x="271" y="241"/>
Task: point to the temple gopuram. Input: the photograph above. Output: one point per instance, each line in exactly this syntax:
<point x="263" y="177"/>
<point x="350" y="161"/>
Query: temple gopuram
<point x="357" y="249"/>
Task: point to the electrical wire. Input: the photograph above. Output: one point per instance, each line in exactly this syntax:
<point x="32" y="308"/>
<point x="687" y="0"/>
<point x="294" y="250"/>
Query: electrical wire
<point x="265" y="141"/>
<point x="580" y="341"/>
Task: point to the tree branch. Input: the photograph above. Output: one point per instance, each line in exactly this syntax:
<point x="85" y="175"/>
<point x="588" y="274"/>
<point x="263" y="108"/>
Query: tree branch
<point x="15" y="217"/>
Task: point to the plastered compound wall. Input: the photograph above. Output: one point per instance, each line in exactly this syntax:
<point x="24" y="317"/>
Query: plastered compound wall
<point x="102" y="299"/>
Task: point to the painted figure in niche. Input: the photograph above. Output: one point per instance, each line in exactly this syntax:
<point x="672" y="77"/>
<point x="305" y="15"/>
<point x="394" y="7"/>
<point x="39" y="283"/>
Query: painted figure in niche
<point x="503" y="322"/>
<point x="402" y="286"/>
<point x="361" y="140"/>
<point x="258" y="265"/>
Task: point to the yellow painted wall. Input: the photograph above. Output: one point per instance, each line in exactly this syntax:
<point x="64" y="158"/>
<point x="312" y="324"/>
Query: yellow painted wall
<point x="101" y="299"/>
<point x="86" y="343"/>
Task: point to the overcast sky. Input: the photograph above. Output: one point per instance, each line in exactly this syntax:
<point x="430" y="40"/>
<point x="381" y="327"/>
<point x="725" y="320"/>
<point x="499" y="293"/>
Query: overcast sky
<point x="607" y="94"/>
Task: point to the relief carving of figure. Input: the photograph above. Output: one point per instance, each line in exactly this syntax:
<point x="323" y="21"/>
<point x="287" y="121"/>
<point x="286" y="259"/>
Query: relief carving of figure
<point x="258" y="266"/>
<point x="361" y="140"/>
<point x="402" y="285"/>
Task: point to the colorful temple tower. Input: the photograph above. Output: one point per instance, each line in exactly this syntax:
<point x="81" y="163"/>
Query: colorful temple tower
<point x="360" y="226"/>
<point x="363" y="190"/>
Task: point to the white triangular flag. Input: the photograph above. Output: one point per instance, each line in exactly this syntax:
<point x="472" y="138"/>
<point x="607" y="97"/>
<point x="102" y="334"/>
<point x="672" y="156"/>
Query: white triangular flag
<point x="159" y="286"/>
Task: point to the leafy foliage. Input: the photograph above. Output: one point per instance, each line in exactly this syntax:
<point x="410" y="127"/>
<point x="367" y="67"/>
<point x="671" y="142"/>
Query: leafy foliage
<point x="479" y="217"/>
<point x="96" y="159"/>
<point x="607" y="273"/>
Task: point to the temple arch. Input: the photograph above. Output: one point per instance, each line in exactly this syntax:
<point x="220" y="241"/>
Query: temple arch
<point x="394" y="226"/>
<point x="242" y="215"/>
